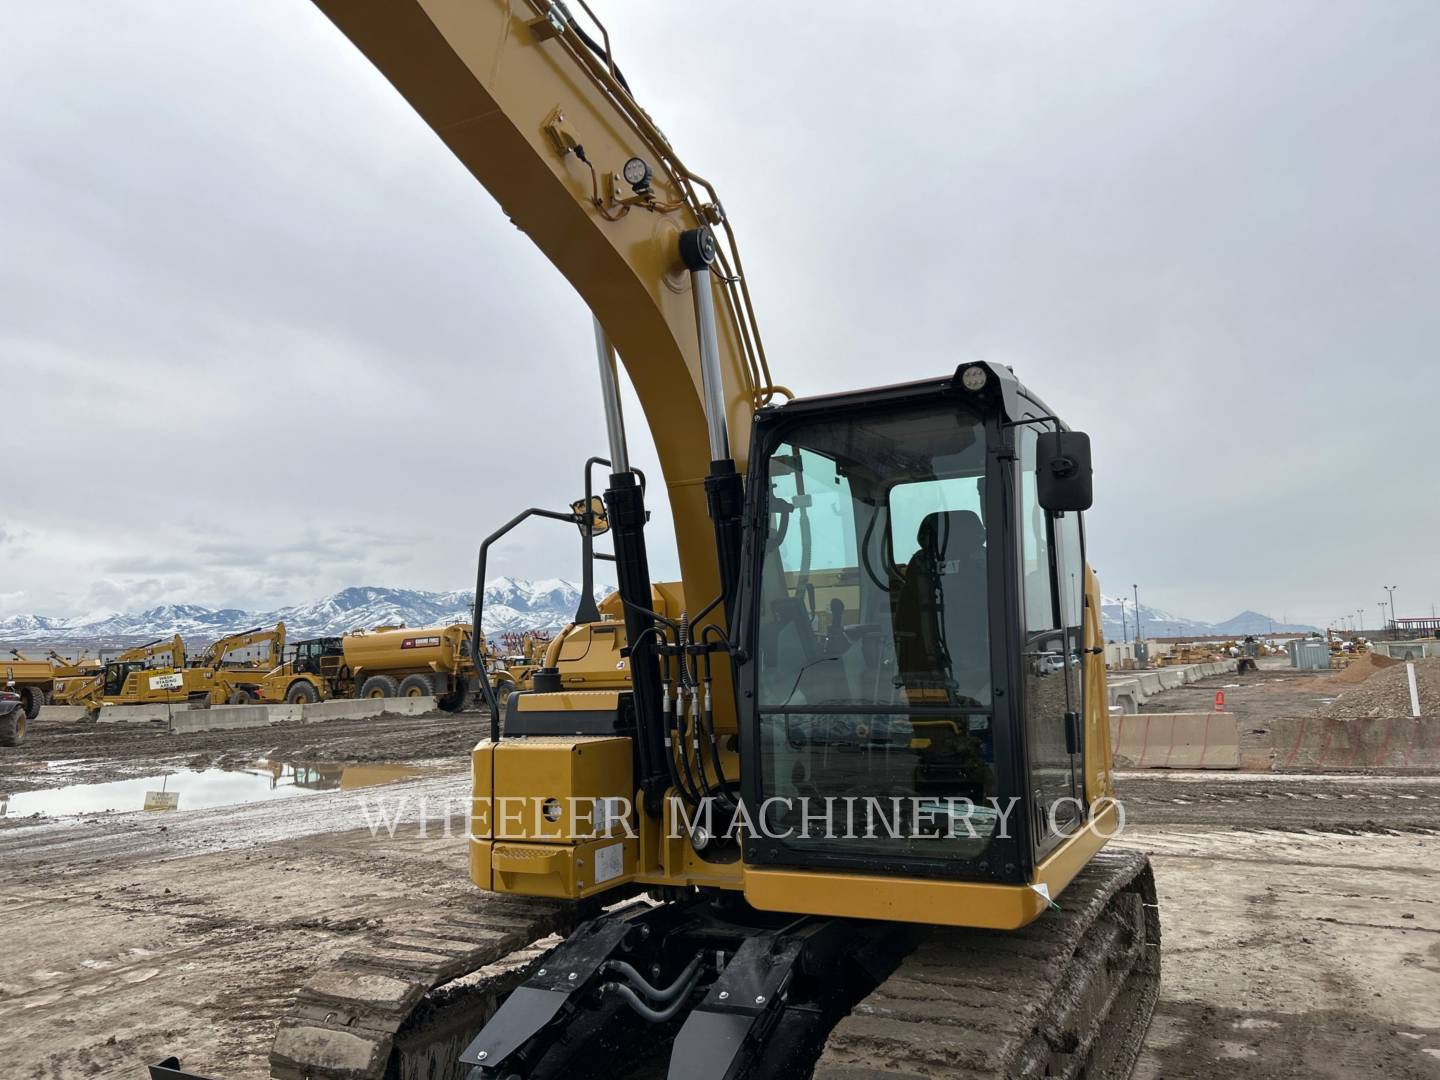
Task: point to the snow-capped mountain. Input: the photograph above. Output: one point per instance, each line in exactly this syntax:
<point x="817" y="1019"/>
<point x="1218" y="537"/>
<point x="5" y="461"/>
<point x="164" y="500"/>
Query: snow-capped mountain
<point x="1156" y="623"/>
<point x="511" y="604"/>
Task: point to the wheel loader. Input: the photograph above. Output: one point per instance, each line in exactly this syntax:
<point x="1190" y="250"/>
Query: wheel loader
<point x="829" y="813"/>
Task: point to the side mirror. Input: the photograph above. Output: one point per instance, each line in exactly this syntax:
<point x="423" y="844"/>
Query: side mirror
<point x="599" y="519"/>
<point x="1062" y="471"/>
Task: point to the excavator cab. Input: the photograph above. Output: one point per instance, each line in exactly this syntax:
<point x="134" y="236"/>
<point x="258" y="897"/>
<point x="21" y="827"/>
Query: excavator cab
<point x="903" y="582"/>
<point x="117" y="671"/>
<point x="907" y="561"/>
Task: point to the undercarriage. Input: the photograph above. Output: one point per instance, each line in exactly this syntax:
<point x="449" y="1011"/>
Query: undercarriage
<point x="698" y="987"/>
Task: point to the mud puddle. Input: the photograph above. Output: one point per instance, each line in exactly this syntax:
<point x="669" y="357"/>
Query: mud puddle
<point x="198" y="789"/>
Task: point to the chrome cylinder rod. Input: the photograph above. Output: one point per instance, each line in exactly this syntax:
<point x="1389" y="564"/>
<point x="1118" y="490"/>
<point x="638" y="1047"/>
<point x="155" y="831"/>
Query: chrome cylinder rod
<point x="711" y="384"/>
<point x="610" y="396"/>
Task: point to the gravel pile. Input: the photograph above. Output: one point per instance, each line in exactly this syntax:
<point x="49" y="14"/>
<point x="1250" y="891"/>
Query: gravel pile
<point x="1361" y="668"/>
<point x="1386" y="693"/>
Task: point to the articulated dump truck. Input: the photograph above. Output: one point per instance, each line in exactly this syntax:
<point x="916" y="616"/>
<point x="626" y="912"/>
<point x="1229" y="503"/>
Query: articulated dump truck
<point x="37" y="682"/>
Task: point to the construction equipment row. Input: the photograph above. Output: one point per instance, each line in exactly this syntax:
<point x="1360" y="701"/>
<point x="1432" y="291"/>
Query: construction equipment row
<point x="388" y="661"/>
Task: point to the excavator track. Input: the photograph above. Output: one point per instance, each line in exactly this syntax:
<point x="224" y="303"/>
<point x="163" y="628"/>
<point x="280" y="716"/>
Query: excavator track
<point x="1070" y="995"/>
<point x="347" y="1021"/>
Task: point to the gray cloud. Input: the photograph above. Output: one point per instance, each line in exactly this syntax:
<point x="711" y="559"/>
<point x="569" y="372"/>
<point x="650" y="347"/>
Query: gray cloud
<point x="269" y="339"/>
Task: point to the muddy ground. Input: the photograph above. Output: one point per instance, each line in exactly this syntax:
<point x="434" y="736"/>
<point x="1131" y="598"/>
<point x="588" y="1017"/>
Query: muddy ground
<point x="55" y="754"/>
<point x="1301" y="935"/>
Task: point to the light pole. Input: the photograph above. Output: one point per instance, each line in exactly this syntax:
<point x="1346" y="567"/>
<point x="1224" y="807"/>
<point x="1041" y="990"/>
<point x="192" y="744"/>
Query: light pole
<point x="1381" y="606"/>
<point x="1394" y="626"/>
<point x="1124" y="624"/>
<point x="1137" y="612"/>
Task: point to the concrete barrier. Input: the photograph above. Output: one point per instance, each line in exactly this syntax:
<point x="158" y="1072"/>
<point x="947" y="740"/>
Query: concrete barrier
<point x="415" y="706"/>
<point x="62" y="713"/>
<point x="1131" y="689"/>
<point x="1126" y="695"/>
<point x="225" y="718"/>
<point x="1175" y="741"/>
<point x="1331" y="743"/>
<point x="140" y="714"/>
<point x="366" y="708"/>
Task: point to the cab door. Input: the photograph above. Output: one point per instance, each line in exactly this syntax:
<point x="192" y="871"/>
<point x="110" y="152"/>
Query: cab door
<point x="1049" y="640"/>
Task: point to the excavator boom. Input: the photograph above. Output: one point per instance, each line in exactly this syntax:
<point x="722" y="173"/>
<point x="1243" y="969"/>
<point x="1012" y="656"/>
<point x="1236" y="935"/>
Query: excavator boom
<point x="537" y="110"/>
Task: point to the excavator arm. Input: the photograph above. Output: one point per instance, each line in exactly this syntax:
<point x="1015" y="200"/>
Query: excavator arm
<point x="214" y="656"/>
<point x="173" y="651"/>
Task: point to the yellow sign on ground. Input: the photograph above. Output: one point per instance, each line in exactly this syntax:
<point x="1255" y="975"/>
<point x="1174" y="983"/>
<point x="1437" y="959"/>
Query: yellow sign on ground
<point x="162" y="800"/>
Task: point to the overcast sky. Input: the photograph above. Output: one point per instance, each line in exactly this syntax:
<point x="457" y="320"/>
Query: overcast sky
<point x="261" y="337"/>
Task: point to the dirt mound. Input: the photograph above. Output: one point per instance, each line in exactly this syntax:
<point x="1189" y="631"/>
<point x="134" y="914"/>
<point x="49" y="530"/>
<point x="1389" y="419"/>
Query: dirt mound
<point x="1386" y="692"/>
<point x="1360" y="669"/>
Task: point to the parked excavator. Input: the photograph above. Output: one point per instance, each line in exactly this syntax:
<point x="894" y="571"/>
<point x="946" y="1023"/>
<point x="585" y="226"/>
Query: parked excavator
<point x="828" y="814"/>
<point x="90" y="690"/>
<point x="230" y="670"/>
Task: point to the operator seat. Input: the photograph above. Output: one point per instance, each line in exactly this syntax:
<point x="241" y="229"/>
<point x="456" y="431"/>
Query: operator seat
<point x="941" y="613"/>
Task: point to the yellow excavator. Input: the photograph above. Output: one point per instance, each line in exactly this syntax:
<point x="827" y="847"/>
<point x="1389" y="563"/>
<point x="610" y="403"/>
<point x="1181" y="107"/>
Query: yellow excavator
<point x="91" y="689"/>
<point x="231" y="669"/>
<point x="833" y="809"/>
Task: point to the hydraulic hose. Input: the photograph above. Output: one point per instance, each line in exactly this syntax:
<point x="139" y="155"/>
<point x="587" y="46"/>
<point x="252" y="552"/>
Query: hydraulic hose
<point x="667" y="723"/>
<point x="644" y="1011"/>
<point x="722" y="782"/>
<point x="654" y="993"/>
<point x="594" y="46"/>
<point x="688" y="696"/>
<point x="682" y="732"/>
